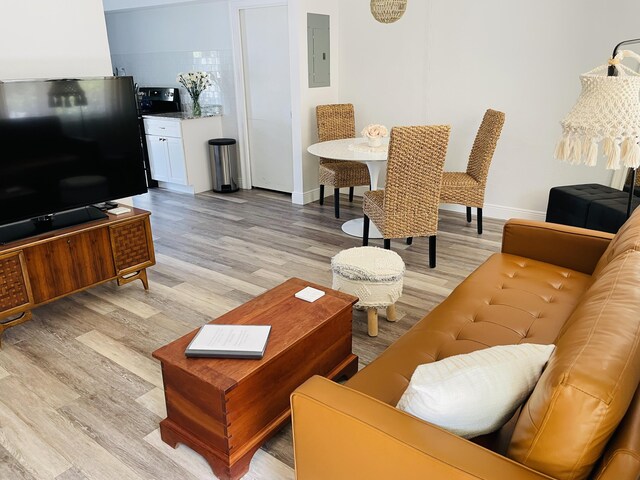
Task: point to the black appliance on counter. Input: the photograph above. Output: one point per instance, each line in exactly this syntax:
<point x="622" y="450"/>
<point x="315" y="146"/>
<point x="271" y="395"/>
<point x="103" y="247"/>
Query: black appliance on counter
<point x="153" y="100"/>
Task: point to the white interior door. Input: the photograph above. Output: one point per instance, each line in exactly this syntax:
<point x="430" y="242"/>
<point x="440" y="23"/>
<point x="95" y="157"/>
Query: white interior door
<point x="265" y="52"/>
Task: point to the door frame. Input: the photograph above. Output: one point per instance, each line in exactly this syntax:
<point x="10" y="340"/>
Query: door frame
<point x="235" y="6"/>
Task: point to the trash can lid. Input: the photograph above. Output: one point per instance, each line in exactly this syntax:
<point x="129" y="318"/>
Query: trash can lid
<point x="222" y="141"/>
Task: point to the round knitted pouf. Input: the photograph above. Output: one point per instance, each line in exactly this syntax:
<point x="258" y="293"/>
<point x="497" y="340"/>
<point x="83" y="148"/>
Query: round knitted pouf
<point x="372" y="274"/>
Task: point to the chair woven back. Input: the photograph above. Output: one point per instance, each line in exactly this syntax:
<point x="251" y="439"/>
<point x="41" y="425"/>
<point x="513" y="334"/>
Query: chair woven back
<point x="485" y="145"/>
<point x="335" y="122"/>
<point x="414" y="179"/>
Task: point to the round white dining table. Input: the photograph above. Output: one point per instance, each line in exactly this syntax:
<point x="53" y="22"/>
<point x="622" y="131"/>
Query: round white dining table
<point x="356" y="150"/>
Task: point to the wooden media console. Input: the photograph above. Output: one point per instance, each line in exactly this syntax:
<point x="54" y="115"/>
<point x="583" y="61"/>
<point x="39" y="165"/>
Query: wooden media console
<point x="45" y="267"/>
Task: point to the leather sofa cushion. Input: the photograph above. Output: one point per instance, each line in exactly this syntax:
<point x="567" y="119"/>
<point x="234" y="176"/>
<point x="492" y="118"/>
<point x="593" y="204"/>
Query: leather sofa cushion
<point x="590" y="380"/>
<point x="627" y="238"/>
<point x="622" y="457"/>
<point x="508" y="300"/>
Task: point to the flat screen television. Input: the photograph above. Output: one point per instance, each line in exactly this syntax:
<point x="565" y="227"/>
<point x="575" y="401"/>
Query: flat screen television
<point x="66" y="144"/>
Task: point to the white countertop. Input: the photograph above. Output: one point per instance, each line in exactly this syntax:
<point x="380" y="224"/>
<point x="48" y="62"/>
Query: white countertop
<point x="206" y="113"/>
<point x="177" y="116"/>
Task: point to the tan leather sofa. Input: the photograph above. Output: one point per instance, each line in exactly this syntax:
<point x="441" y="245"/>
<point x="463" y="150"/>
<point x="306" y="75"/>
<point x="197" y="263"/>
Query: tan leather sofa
<point x="577" y="288"/>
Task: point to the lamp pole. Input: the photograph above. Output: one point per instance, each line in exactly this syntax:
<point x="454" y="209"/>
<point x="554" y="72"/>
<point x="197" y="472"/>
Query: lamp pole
<point x="613" y="72"/>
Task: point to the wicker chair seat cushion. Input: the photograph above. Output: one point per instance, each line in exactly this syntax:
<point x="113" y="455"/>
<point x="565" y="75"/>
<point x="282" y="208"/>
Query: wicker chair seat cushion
<point x="459" y="180"/>
<point x="340" y="173"/>
<point x="461" y="188"/>
<point x="372" y="274"/>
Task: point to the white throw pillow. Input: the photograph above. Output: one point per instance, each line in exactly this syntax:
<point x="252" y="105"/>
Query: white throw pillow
<point x="478" y="392"/>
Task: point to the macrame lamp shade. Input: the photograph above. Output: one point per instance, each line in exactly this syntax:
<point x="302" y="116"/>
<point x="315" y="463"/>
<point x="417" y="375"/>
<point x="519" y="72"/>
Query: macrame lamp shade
<point x="388" y="11"/>
<point x="607" y="113"/>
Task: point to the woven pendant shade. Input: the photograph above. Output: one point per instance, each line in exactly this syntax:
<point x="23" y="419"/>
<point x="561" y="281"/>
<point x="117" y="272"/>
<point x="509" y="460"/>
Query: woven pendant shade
<point x="607" y="113"/>
<point x="388" y="11"/>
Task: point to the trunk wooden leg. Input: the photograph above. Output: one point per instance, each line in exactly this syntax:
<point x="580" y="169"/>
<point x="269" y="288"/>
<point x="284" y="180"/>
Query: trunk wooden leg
<point x="391" y="313"/>
<point x="372" y="318"/>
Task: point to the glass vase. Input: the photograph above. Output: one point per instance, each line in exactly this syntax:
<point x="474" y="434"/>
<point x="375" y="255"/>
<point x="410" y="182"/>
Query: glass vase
<point x="196" y="109"/>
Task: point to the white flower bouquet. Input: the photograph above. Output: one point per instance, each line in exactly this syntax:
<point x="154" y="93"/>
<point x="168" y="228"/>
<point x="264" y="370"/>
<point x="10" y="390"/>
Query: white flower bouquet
<point x="374" y="134"/>
<point x="195" y="83"/>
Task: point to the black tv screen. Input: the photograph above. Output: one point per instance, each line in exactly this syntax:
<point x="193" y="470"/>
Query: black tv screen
<point x="66" y="144"/>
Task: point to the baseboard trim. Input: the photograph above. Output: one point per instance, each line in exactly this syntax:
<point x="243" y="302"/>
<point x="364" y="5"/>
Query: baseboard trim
<point x="174" y="187"/>
<point x="302" y="198"/>
<point x="490" y="210"/>
<point x="501" y="212"/>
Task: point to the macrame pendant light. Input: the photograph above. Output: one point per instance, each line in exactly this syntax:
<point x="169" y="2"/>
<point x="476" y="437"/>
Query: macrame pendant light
<point x="608" y="114"/>
<point x="388" y="11"/>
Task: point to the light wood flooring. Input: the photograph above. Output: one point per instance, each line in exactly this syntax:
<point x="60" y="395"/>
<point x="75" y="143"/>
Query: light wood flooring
<point x="80" y="395"/>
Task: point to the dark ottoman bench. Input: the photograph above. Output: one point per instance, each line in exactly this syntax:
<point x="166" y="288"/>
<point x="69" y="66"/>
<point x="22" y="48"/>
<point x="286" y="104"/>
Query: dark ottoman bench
<point x="590" y="205"/>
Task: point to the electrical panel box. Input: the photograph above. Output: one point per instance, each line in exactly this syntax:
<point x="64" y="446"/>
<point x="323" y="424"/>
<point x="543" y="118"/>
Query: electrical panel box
<point x="318" y="46"/>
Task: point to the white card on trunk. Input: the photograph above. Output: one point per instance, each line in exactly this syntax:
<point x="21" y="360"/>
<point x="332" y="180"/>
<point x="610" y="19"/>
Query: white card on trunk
<point x="309" y="294"/>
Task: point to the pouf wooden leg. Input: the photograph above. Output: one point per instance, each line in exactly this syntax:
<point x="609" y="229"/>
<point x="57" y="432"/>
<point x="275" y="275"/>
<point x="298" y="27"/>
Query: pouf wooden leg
<point x="391" y="313"/>
<point x="372" y="317"/>
<point x="374" y="276"/>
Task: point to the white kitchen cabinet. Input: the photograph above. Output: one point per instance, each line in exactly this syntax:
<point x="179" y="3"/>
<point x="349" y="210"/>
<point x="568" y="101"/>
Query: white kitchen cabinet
<point x="166" y="158"/>
<point x="178" y="151"/>
<point x="177" y="164"/>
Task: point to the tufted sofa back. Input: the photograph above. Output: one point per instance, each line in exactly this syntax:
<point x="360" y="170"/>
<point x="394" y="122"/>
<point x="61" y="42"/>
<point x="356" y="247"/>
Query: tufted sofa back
<point x="508" y="300"/>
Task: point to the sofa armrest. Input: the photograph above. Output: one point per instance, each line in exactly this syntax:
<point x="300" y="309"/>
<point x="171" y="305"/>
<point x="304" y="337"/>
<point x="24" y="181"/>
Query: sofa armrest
<point x="571" y="247"/>
<point x="340" y="433"/>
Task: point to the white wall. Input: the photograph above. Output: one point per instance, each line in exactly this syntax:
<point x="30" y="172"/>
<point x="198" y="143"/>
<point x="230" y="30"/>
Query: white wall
<point x="447" y="61"/>
<point x="180" y="27"/>
<point x="53" y="39"/>
<point x="113" y="5"/>
<point x="305" y="99"/>
<point x="155" y="44"/>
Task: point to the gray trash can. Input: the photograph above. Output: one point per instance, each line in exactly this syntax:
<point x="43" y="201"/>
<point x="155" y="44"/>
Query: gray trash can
<point x="224" y="164"/>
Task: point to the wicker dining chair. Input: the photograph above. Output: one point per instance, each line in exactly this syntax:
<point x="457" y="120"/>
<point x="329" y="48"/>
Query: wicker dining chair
<point x="408" y="205"/>
<point x="336" y="122"/>
<point x="467" y="188"/>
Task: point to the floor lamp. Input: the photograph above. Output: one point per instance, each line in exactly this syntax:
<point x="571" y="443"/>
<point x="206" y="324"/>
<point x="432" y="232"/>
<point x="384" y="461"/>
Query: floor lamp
<point x="607" y="113"/>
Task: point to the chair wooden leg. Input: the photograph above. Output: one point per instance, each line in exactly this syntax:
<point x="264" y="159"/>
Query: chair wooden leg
<point x="372" y="321"/>
<point x="365" y="231"/>
<point x="321" y="194"/>
<point x="336" y="201"/>
<point x="391" y="313"/>
<point x="351" y="194"/>
<point x="409" y="240"/>
<point x="387" y="244"/>
<point x="432" y="251"/>
<point x="479" y="221"/>
<point x="468" y="214"/>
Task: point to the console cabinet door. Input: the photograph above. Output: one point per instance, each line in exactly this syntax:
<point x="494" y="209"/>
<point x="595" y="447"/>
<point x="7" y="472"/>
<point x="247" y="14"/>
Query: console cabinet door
<point x="15" y="290"/>
<point x="132" y="246"/>
<point x="68" y="264"/>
